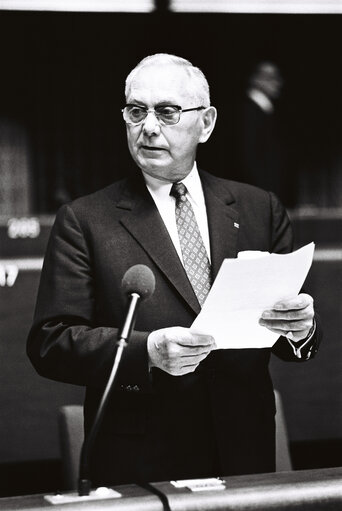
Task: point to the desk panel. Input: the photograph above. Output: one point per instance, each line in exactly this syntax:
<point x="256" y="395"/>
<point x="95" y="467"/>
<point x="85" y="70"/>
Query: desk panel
<point x="314" y="490"/>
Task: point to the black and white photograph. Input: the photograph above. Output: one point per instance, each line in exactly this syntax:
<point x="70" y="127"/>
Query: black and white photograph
<point x="171" y="254"/>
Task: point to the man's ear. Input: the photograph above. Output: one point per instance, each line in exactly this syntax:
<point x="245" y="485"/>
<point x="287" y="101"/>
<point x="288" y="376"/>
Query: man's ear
<point x="208" y="119"/>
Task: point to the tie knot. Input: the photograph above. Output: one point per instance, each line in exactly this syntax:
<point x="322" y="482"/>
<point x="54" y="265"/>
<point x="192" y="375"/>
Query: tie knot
<point x="178" y="191"/>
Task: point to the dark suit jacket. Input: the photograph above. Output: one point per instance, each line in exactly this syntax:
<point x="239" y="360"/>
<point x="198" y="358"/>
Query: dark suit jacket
<point x="219" y="419"/>
<point x="262" y="150"/>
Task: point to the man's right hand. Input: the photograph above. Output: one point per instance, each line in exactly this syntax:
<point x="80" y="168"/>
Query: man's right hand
<point x="178" y="351"/>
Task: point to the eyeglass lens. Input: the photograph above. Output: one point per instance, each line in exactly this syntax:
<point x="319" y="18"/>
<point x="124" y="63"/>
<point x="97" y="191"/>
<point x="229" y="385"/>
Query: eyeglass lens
<point x="167" y="114"/>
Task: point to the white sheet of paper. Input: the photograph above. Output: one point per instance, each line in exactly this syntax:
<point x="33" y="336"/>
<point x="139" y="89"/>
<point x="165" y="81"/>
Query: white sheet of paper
<point x="243" y="289"/>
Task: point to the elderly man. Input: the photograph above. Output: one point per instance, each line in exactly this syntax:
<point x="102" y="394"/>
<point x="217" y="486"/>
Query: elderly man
<point x="180" y="408"/>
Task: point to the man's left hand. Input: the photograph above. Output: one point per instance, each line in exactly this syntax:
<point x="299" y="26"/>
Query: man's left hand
<point x="291" y="318"/>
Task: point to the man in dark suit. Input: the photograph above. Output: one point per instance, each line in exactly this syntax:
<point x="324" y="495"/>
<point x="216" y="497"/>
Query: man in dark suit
<point x="180" y="408"/>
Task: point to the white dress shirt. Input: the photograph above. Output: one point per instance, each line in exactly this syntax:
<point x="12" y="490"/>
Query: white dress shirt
<point x="160" y="192"/>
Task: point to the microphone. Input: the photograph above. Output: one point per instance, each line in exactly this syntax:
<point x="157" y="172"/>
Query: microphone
<point x="139" y="279"/>
<point x="138" y="284"/>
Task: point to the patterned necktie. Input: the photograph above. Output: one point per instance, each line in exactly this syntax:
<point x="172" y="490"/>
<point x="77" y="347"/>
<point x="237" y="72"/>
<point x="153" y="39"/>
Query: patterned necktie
<point x="195" y="258"/>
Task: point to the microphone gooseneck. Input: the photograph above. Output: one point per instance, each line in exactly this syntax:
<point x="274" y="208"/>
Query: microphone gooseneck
<point x="137" y="284"/>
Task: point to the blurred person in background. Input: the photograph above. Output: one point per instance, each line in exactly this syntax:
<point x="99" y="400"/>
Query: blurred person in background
<point x="262" y="139"/>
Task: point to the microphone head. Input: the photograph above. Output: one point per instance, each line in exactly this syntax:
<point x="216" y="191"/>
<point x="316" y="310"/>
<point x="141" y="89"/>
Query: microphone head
<point x="139" y="279"/>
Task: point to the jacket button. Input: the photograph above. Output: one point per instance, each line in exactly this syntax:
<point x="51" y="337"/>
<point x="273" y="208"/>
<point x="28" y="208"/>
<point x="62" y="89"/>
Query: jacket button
<point x="130" y="388"/>
<point x="126" y="388"/>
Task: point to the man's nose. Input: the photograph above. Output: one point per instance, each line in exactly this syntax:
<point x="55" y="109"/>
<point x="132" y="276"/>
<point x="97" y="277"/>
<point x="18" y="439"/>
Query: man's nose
<point x="151" y="124"/>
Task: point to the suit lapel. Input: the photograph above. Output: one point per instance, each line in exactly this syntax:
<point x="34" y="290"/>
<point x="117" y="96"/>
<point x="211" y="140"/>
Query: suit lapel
<point x="223" y="220"/>
<point x="142" y="220"/>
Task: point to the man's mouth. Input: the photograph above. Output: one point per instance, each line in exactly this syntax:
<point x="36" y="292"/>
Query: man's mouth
<point x="152" y="148"/>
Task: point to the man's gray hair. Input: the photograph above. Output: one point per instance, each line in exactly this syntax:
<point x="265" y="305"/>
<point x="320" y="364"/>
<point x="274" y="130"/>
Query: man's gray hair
<point x="198" y="81"/>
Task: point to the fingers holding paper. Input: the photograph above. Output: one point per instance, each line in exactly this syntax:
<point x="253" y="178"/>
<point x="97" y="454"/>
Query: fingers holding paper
<point x="178" y="351"/>
<point x="291" y="318"/>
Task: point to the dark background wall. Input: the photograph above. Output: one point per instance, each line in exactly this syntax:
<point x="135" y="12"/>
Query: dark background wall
<point x="61" y="90"/>
<point x="62" y="77"/>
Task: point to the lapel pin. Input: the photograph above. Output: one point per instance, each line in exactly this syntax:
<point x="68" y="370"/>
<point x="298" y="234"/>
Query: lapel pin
<point x="236" y="225"/>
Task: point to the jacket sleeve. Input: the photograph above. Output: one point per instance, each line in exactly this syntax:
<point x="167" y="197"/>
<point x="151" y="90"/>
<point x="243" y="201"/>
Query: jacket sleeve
<point x="65" y="342"/>
<point x="282" y="242"/>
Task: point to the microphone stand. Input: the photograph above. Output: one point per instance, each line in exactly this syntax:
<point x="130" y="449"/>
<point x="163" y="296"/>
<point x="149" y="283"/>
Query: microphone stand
<point x="138" y="284"/>
<point x="84" y="482"/>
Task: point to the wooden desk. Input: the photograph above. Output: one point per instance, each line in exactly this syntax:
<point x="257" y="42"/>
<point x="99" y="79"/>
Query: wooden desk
<point x="314" y="490"/>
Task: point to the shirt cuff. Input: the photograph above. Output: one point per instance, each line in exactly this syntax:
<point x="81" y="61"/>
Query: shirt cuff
<point x="297" y="350"/>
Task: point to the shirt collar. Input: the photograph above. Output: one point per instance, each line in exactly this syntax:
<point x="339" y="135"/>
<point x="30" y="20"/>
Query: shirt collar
<point x="261" y="100"/>
<point x="192" y="182"/>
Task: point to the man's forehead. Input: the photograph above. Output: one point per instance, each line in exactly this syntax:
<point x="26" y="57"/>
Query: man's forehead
<point x="161" y="83"/>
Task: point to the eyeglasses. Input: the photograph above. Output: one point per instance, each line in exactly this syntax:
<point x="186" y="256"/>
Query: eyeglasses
<point x="166" y="114"/>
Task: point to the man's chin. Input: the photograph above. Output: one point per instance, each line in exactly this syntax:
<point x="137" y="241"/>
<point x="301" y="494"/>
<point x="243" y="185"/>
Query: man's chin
<point x="153" y="165"/>
<point x="158" y="173"/>
<point x="165" y="174"/>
